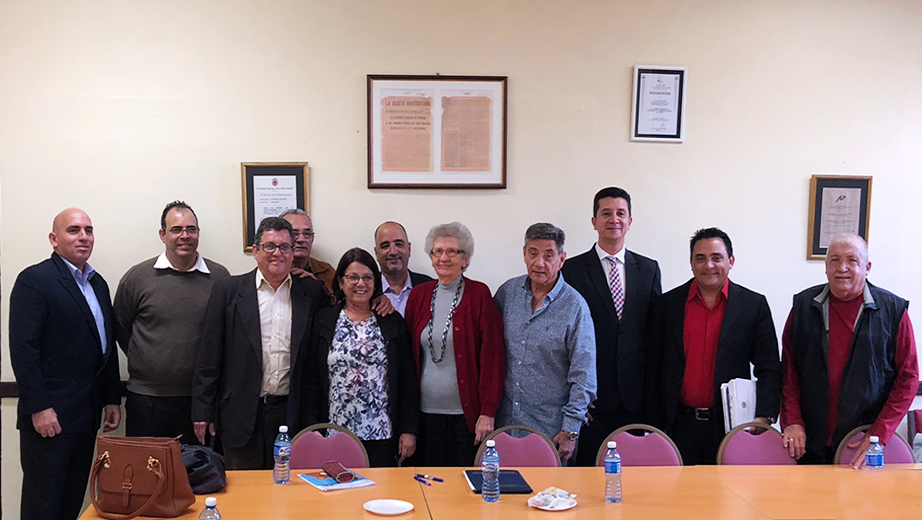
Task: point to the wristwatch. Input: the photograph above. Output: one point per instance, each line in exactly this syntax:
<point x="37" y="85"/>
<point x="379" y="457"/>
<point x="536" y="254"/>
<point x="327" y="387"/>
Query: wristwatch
<point x="572" y="435"/>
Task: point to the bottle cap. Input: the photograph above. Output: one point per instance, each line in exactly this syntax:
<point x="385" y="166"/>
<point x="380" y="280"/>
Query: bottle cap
<point x="612" y="444"/>
<point x="491" y="443"/>
<point x="283" y="429"/>
<point x="874" y="439"/>
<point x="211" y="502"/>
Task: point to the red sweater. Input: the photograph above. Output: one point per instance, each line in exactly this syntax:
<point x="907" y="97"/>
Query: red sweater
<point x="480" y="354"/>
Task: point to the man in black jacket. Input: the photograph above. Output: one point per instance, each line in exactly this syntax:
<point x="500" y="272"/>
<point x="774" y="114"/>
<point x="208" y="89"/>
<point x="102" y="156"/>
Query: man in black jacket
<point x="704" y="333"/>
<point x="619" y="286"/>
<point x="62" y="349"/>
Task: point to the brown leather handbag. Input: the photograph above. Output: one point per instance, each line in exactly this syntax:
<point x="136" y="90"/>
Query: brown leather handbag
<point x="135" y="476"/>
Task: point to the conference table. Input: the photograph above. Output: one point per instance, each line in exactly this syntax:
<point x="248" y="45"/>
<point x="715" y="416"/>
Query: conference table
<point x="691" y="492"/>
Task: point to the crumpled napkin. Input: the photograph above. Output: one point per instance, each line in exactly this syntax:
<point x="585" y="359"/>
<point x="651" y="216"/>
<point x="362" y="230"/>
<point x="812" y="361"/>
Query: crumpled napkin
<point x="552" y="498"/>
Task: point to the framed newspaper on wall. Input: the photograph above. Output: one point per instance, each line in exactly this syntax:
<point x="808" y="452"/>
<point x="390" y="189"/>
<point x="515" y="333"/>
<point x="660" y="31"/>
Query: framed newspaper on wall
<point x="436" y="131"/>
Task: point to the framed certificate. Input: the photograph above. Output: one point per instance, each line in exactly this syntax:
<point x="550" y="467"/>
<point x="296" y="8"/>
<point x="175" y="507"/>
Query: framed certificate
<point x="658" y="108"/>
<point x="436" y="131"/>
<point x="270" y="189"/>
<point x="838" y="204"/>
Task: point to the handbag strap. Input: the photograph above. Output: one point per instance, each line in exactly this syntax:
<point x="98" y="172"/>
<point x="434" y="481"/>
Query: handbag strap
<point x="153" y="465"/>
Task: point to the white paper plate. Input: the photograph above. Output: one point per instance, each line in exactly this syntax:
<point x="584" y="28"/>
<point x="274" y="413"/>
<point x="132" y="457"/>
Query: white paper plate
<point x="570" y="503"/>
<point x="388" y="507"/>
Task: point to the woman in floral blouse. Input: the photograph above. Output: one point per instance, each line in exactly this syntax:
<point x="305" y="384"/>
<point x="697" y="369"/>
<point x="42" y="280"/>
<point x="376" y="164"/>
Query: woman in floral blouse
<point x="360" y="372"/>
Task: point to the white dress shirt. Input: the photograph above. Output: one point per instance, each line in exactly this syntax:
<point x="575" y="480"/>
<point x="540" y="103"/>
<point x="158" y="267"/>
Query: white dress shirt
<point x="275" y="333"/>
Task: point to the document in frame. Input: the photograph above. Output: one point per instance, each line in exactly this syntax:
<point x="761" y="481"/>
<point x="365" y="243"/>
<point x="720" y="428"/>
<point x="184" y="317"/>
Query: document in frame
<point x="273" y="195"/>
<point x="841" y="213"/>
<point x="406" y="134"/>
<point x="466" y="122"/>
<point x="659" y="104"/>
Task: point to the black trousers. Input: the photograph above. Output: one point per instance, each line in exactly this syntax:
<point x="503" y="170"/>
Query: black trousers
<point x="827" y="457"/>
<point x="151" y="416"/>
<point x="383" y="453"/>
<point x="444" y="440"/>
<point x="592" y="435"/>
<point x="698" y="441"/>
<point x="55" y="472"/>
<point x="271" y="413"/>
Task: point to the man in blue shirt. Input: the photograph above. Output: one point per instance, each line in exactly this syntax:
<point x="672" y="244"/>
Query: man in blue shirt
<point x="550" y="345"/>
<point x="62" y="349"/>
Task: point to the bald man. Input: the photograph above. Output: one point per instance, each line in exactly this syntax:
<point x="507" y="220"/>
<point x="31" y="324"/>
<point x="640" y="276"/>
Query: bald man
<point x="62" y="349"/>
<point x="392" y="248"/>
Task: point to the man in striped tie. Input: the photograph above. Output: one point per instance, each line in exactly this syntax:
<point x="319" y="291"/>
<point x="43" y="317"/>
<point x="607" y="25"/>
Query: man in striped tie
<point x="619" y="286"/>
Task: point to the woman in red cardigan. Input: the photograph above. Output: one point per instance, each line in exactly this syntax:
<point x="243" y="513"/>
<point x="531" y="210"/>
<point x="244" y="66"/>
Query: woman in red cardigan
<point x="457" y="336"/>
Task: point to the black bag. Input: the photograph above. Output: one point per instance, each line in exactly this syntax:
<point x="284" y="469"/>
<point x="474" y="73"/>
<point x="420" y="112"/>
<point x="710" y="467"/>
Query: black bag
<point x="205" y="469"/>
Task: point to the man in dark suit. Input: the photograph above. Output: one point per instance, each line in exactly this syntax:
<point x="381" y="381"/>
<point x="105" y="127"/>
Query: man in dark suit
<point x="705" y="333"/>
<point x="256" y="326"/>
<point x="62" y="349"/>
<point x="619" y="286"/>
<point x="392" y="248"/>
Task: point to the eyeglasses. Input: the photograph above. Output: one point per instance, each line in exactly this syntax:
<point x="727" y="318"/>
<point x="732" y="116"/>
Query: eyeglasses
<point x="308" y="234"/>
<point x="177" y="230"/>
<point x="354" y="279"/>
<point x="451" y="252"/>
<point x="270" y="247"/>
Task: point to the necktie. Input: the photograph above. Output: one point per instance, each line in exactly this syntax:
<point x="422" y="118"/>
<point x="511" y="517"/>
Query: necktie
<point x="615" y="286"/>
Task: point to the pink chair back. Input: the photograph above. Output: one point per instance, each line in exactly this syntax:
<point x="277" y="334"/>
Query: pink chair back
<point x="740" y="447"/>
<point x="653" y="449"/>
<point x="533" y="450"/>
<point x="310" y="450"/>
<point x="896" y="452"/>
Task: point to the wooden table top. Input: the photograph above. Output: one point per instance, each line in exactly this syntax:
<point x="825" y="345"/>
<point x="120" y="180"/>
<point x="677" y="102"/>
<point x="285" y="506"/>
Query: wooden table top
<point x="693" y="492"/>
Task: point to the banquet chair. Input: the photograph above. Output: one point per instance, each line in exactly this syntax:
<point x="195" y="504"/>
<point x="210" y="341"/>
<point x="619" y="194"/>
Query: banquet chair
<point x="532" y="450"/>
<point x="898" y="451"/>
<point x="310" y="449"/>
<point x="651" y="448"/>
<point x="740" y="447"/>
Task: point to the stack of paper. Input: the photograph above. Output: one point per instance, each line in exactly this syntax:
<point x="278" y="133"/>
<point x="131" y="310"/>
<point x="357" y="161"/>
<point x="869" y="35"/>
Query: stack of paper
<point x="739" y="401"/>
<point x="329" y="483"/>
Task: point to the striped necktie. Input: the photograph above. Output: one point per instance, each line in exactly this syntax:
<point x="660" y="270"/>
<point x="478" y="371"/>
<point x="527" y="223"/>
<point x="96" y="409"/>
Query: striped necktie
<point x="615" y="286"/>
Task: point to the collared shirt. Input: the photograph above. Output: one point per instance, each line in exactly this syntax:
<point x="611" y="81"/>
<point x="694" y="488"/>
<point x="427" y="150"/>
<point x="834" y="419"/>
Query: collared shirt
<point x="701" y="335"/>
<point x="550" y="355"/>
<point x="83" y="283"/>
<point x="275" y="333"/>
<point x="606" y="265"/>
<point x="398" y="300"/>
<point x="164" y="263"/>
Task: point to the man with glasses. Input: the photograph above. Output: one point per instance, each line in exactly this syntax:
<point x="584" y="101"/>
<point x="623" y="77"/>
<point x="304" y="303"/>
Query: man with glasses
<point x="246" y="381"/>
<point x="304" y="242"/>
<point x="160" y="310"/>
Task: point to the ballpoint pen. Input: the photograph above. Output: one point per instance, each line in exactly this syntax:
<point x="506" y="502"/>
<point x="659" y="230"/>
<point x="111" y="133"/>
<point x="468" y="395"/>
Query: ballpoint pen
<point x="421" y="480"/>
<point x="430" y="477"/>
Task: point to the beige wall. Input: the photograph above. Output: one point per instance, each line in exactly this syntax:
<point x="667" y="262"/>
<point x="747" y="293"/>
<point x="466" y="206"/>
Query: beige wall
<point x="119" y="107"/>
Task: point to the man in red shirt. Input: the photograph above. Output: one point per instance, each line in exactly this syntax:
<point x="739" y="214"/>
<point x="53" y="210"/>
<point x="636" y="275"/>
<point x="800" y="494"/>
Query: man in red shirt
<point x="705" y="333"/>
<point x="849" y="359"/>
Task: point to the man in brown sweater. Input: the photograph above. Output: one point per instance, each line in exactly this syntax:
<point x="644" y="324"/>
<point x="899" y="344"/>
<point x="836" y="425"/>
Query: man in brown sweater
<point x="160" y="310"/>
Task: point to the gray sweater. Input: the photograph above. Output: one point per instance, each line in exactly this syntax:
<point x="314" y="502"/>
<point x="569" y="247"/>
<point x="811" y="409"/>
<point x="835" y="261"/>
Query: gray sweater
<point x="159" y="317"/>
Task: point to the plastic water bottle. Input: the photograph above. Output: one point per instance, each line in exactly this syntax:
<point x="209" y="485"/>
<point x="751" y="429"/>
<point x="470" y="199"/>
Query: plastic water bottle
<point x="211" y="510"/>
<point x="282" y="452"/>
<point x="874" y="457"/>
<point x="612" y="474"/>
<point x="489" y="467"/>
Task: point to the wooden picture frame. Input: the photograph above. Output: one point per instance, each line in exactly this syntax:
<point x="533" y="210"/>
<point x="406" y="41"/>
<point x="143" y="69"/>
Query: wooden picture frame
<point x="838" y="204"/>
<point x="269" y="189"/>
<point x="436" y="131"/>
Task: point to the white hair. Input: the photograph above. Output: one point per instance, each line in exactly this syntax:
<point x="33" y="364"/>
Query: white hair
<point x="455" y="230"/>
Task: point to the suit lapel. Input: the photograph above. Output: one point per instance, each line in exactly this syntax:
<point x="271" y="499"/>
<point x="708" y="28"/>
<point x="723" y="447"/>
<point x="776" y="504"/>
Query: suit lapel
<point x="247" y="306"/>
<point x="632" y="290"/>
<point x="678" y="320"/>
<point x="67" y="280"/>
<point x="597" y="279"/>
<point x="300" y="312"/>
<point x="732" y="314"/>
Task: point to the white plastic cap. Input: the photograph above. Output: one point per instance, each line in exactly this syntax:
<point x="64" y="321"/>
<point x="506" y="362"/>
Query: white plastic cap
<point x="612" y="444"/>
<point x="491" y="443"/>
<point x="211" y="502"/>
<point x="874" y="439"/>
<point x="283" y="429"/>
